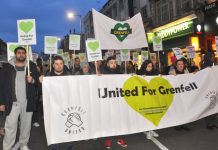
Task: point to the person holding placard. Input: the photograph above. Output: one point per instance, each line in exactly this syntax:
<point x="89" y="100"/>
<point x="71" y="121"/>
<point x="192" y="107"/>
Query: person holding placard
<point x="180" y="68"/>
<point x="209" y="61"/>
<point x="76" y="68"/>
<point x="129" y="67"/>
<point x="20" y="99"/>
<point x="57" y="70"/>
<point x="112" y="68"/>
<point x="147" y="68"/>
<point x="85" y="69"/>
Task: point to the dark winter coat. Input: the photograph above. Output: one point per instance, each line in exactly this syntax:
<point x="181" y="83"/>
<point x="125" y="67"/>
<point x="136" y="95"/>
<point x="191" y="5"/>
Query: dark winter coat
<point x="7" y="87"/>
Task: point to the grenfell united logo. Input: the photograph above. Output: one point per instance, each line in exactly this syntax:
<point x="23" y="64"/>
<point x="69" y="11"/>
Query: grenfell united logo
<point x="212" y="97"/>
<point x="74" y="120"/>
<point x="121" y="31"/>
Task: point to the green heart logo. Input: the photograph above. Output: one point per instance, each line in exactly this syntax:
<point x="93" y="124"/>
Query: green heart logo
<point x="125" y="51"/>
<point x="26" y="26"/>
<point x="93" y="46"/>
<point x="121" y="31"/>
<point x="82" y="57"/>
<point x="157" y="39"/>
<point x="60" y="52"/>
<point x="12" y="47"/>
<point x="151" y="104"/>
<point x="51" y="41"/>
<point x="144" y="53"/>
<point x="74" y="39"/>
<point x="135" y="55"/>
<point x="66" y="54"/>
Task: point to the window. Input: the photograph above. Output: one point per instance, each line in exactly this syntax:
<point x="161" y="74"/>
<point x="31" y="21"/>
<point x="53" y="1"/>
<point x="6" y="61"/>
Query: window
<point x="114" y="7"/>
<point x="171" y="10"/>
<point x="163" y="11"/>
<point x="186" y="5"/>
<point x="121" y="6"/>
<point x="144" y="12"/>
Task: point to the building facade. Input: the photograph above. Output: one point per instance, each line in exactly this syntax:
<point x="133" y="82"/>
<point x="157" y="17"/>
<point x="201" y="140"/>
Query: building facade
<point x="174" y="20"/>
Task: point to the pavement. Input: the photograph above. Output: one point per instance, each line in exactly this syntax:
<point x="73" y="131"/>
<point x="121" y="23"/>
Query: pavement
<point x="198" y="138"/>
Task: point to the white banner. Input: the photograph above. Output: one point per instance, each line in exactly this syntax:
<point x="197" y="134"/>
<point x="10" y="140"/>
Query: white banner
<point x="51" y="45"/>
<point x="74" y="42"/>
<point x="93" y="50"/>
<point x="129" y="34"/>
<point x="26" y="32"/>
<point x="190" y="51"/>
<point x="157" y="43"/>
<point x="85" y="107"/>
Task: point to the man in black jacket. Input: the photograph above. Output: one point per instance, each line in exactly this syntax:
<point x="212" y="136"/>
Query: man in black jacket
<point x="18" y="95"/>
<point x="58" y="69"/>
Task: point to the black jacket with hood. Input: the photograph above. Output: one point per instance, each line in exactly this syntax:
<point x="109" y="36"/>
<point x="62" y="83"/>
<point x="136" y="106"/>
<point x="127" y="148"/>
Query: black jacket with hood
<point x="7" y="87"/>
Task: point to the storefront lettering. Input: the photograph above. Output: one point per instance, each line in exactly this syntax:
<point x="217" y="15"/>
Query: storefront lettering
<point x="213" y="5"/>
<point x="174" y="30"/>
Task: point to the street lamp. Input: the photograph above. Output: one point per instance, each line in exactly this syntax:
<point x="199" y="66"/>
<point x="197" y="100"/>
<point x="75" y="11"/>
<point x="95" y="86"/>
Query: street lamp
<point x="71" y="15"/>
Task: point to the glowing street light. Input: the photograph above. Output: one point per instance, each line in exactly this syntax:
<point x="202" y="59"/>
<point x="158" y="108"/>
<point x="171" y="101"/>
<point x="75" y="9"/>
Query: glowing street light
<point x="71" y="15"/>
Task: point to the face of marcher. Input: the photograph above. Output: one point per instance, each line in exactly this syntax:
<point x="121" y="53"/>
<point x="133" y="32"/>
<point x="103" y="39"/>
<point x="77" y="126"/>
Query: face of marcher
<point x="149" y="67"/>
<point x="58" y="66"/>
<point x="77" y="62"/>
<point x="112" y="64"/>
<point x="180" y="66"/>
<point x="20" y="55"/>
<point x="85" y="69"/>
<point x="128" y="65"/>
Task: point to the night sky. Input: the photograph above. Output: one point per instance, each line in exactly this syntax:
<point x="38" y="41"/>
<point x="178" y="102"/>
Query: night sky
<point x="50" y="15"/>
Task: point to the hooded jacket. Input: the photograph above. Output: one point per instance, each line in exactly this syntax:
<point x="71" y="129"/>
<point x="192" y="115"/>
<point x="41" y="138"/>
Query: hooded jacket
<point x="7" y="87"/>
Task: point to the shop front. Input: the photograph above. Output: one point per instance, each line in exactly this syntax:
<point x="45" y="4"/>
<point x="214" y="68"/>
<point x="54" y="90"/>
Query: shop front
<point x="180" y="33"/>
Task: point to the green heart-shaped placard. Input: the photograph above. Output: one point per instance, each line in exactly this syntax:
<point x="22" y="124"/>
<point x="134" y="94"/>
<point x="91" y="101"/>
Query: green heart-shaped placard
<point x="135" y="55"/>
<point x="26" y="26"/>
<point x="82" y="57"/>
<point x="51" y="41"/>
<point x="74" y="39"/>
<point x="125" y="51"/>
<point x="93" y="45"/>
<point x="151" y="106"/>
<point x="144" y="53"/>
<point x="12" y="47"/>
<point x="157" y="39"/>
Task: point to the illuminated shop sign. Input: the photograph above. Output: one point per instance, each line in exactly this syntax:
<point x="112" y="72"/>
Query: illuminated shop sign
<point x="182" y="29"/>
